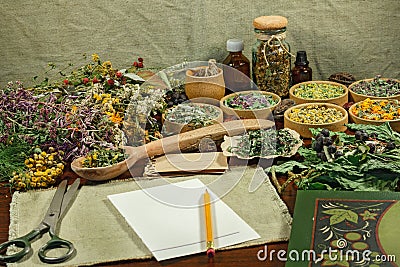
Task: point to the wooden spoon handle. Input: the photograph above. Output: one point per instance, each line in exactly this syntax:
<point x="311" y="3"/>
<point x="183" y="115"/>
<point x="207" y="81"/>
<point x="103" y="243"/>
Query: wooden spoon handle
<point x="174" y="143"/>
<point x="191" y="139"/>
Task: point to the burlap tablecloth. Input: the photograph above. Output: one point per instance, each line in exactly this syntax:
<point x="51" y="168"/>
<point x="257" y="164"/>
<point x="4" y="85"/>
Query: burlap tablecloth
<point x="100" y="233"/>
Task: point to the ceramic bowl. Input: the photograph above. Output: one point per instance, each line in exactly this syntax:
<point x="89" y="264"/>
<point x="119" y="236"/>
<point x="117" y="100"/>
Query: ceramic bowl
<point x="339" y="100"/>
<point x="394" y="124"/>
<point x="175" y="127"/>
<point x="261" y="113"/>
<point x="304" y="128"/>
<point x="356" y="97"/>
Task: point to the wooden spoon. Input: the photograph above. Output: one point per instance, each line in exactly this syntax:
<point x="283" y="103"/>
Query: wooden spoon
<point x="183" y="141"/>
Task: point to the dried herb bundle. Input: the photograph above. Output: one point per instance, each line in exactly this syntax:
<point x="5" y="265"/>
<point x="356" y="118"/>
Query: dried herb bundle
<point x="12" y="156"/>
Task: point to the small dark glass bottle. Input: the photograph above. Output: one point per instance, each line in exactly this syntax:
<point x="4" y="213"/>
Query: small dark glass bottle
<point x="236" y="80"/>
<point x="301" y="71"/>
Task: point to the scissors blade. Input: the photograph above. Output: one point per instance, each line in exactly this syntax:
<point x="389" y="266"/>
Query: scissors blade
<point x="69" y="196"/>
<point x="53" y="213"/>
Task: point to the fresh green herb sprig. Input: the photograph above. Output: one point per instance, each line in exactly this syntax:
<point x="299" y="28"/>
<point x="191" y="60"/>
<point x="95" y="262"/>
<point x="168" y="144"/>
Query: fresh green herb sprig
<point x="12" y="156"/>
<point x="382" y="132"/>
<point x="368" y="161"/>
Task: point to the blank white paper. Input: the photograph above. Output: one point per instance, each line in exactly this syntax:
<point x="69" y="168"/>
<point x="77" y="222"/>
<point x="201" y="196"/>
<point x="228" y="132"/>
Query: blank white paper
<point x="170" y="219"/>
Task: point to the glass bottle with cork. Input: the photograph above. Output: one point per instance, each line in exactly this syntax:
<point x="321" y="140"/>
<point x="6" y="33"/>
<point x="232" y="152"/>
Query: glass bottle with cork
<point x="271" y="57"/>
<point x="240" y="79"/>
<point x="301" y="72"/>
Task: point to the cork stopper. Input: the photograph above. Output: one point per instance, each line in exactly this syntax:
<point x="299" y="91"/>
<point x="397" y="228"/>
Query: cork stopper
<point x="270" y="22"/>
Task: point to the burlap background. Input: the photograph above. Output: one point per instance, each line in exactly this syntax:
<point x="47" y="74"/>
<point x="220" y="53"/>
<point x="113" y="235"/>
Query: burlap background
<point x="358" y="36"/>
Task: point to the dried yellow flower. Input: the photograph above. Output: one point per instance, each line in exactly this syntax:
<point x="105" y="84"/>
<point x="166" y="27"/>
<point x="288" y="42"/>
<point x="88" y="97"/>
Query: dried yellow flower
<point x="95" y="57"/>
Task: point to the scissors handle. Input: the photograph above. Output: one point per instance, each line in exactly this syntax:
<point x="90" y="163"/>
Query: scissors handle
<point x="56" y="243"/>
<point x="21" y="242"/>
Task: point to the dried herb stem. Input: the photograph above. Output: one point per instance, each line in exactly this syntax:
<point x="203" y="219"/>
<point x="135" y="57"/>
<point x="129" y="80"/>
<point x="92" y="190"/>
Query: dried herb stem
<point x="275" y="180"/>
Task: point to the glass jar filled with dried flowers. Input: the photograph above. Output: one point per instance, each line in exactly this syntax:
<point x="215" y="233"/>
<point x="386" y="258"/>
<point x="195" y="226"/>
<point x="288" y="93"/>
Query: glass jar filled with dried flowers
<point x="271" y="55"/>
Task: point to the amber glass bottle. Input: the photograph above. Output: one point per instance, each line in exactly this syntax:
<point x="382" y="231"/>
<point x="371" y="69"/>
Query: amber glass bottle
<point x="236" y="80"/>
<point x="301" y="72"/>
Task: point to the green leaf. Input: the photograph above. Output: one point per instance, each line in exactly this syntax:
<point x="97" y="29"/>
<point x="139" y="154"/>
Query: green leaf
<point x="339" y="215"/>
<point x="343" y="137"/>
<point x="315" y="131"/>
<point x="357" y="170"/>
<point x="319" y="186"/>
<point x="339" y="168"/>
<point x="383" y="131"/>
<point x="309" y="155"/>
<point x="287" y="166"/>
<point x="393" y="154"/>
<point x="381" y="166"/>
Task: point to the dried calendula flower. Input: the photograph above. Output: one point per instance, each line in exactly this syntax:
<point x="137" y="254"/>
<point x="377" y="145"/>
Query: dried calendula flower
<point x="377" y="110"/>
<point x="315" y="114"/>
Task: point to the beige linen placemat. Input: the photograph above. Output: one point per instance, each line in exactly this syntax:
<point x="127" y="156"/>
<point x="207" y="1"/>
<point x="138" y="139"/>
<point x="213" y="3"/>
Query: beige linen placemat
<point x="100" y="234"/>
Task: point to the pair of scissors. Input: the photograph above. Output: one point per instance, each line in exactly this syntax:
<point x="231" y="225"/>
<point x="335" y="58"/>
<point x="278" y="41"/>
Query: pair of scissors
<point x="61" y="200"/>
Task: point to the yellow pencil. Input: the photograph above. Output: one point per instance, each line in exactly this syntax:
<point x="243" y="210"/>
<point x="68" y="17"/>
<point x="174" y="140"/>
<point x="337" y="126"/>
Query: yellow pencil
<point x="209" y="230"/>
